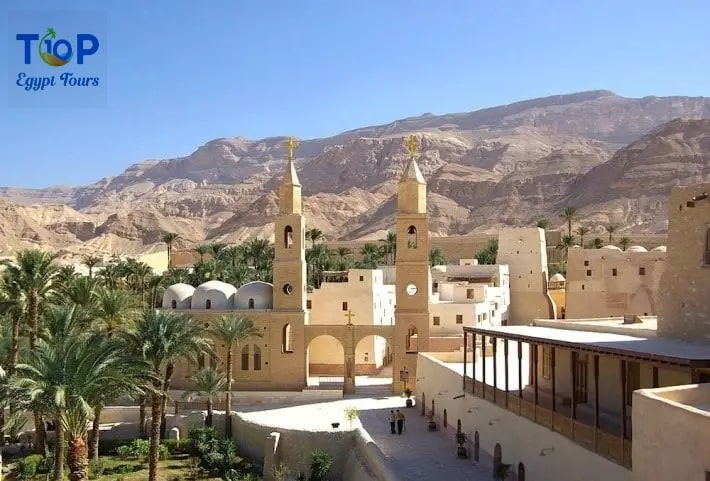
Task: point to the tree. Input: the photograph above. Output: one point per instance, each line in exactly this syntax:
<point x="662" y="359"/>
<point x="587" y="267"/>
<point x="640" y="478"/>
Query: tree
<point x="314" y="235"/>
<point x="389" y="248"/>
<point x="597" y="243"/>
<point x="65" y="274"/>
<point x="569" y="215"/>
<point x="566" y="242"/>
<point x="169" y="238"/>
<point x="371" y="256"/>
<point x="232" y="331"/>
<point x="33" y="273"/>
<point x="233" y="255"/>
<point x="318" y="260"/>
<point x="544" y="224"/>
<point x="436" y="257"/>
<point x="208" y="383"/>
<point x="489" y="254"/>
<point x="162" y="338"/>
<point x="216" y="248"/>
<point x="201" y="250"/>
<point x="611" y="229"/>
<point x="91" y="262"/>
<point x="582" y="231"/>
<point x="625" y="242"/>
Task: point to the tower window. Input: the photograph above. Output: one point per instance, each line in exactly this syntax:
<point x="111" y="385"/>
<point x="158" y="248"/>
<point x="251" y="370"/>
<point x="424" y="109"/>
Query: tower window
<point x="345" y="306"/>
<point x="412" y="237"/>
<point x="589" y="272"/>
<point x="308" y="304"/>
<point x="459" y="318"/>
<point x="642" y="271"/>
<point x="257" y="358"/>
<point x="287" y="289"/>
<point x="437" y="320"/>
<point x="287" y="339"/>
<point x="251" y="303"/>
<point x="288" y="237"/>
<point x="614" y="272"/>
<point x="208" y="304"/>
<point x="362" y="278"/>
<point x="173" y="303"/>
<point x="586" y="263"/>
<point x="245" y="358"/>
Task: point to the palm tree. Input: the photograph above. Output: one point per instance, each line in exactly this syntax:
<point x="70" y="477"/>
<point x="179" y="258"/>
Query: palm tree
<point x="232" y="331"/>
<point x="33" y="272"/>
<point x="625" y="242"/>
<point x="66" y="274"/>
<point x="566" y="242"/>
<point x="112" y="274"/>
<point x="258" y="253"/>
<point x="201" y="250"/>
<point x="597" y="243"/>
<point x="569" y="215"/>
<point x="13" y="305"/>
<point x="233" y="255"/>
<point x="91" y="262"/>
<point x="81" y="291"/>
<point x="582" y="231"/>
<point x="489" y="254"/>
<point x="544" y="224"/>
<point x="318" y="259"/>
<point x="611" y="229"/>
<point x="169" y="238"/>
<point x="371" y="255"/>
<point x="314" y="235"/>
<point x="237" y="275"/>
<point x="390" y="248"/>
<point x="163" y="338"/>
<point x="208" y="383"/>
<point x="64" y="378"/>
<point x="436" y="257"/>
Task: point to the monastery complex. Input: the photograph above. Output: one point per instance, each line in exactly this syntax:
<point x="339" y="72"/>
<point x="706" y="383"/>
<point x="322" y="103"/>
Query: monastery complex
<point x="596" y="375"/>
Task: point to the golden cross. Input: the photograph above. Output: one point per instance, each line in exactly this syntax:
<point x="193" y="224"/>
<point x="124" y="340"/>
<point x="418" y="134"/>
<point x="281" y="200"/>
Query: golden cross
<point x="350" y="316"/>
<point x="290" y="145"/>
<point x="412" y="144"/>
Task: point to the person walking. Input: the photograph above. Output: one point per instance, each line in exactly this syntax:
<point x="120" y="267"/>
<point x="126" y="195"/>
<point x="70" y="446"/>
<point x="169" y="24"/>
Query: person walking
<point x="393" y="419"/>
<point x="400" y="422"/>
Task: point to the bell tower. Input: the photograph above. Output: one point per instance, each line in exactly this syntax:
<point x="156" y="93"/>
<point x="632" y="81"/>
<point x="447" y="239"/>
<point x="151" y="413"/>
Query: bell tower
<point x="413" y="283"/>
<point x="289" y="242"/>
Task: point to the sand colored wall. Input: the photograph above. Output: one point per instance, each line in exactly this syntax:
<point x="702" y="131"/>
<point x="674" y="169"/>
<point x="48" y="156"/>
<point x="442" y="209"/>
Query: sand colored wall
<point x="685" y="310"/>
<point x="521" y="440"/>
<point x="524" y="251"/>
<point x="594" y="291"/>
<point x="672" y="433"/>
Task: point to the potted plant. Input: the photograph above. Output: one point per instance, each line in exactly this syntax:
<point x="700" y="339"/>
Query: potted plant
<point x="502" y="472"/>
<point x="408" y="393"/>
<point x="351" y="414"/>
<point x="432" y="423"/>
<point x="461" y="449"/>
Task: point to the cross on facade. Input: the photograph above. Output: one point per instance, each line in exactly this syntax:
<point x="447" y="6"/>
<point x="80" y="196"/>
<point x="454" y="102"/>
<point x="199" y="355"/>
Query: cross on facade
<point x="290" y="145"/>
<point x="350" y="316"/>
<point x="412" y="145"/>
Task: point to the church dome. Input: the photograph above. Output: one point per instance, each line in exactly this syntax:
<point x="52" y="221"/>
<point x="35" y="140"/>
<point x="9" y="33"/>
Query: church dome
<point x="214" y="295"/>
<point x="659" y="249"/>
<point x="557" y="278"/>
<point x="611" y="247"/>
<point x="178" y="296"/>
<point x="636" y="249"/>
<point x="255" y="295"/>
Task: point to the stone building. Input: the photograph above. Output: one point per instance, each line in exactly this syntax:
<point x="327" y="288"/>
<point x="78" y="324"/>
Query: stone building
<point x="609" y="282"/>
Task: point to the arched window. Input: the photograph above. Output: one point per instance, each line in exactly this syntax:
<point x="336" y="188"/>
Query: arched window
<point x="412" y="339"/>
<point x="251" y="303"/>
<point x="446" y="418"/>
<point x="245" y="358"/>
<point x="458" y="426"/>
<point x="707" y="247"/>
<point x="208" y="304"/>
<point x="287" y="339"/>
<point x="521" y="472"/>
<point x="257" y="358"/>
<point x="423" y="403"/>
<point x="433" y="407"/>
<point x="476" y="447"/>
<point x="173" y="304"/>
<point x="497" y="458"/>
<point x="412" y="237"/>
<point x="288" y="237"/>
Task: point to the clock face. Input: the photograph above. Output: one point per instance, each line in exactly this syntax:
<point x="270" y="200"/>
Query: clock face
<point x="411" y="289"/>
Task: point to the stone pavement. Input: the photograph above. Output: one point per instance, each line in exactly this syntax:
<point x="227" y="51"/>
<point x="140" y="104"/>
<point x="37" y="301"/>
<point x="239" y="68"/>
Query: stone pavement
<point x="419" y="455"/>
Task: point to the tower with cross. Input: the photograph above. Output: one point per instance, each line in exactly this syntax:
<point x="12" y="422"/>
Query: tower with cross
<point x="413" y="282"/>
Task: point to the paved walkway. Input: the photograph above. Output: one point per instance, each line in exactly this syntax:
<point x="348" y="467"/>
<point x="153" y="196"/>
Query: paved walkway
<point x="419" y="454"/>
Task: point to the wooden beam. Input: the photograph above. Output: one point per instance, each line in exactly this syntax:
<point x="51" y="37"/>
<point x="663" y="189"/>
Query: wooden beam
<point x="483" y="363"/>
<point x="655" y="377"/>
<point x="552" y="374"/>
<point x="573" y="369"/>
<point x="535" y="372"/>
<point x="622" y="367"/>
<point x="495" y="368"/>
<point x="596" y="392"/>
<point x="520" y="369"/>
<point x="505" y="369"/>
<point x="465" y="360"/>
<point x="473" y="367"/>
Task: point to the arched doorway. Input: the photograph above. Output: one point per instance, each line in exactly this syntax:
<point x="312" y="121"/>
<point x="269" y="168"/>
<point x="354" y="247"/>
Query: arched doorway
<point x="433" y="407"/>
<point x="458" y="426"/>
<point x="373" y="365"/>
<point x="476" y="447"/>
<point x="325" y="359"/>
<point x="446" y="418"/>
<point x="423" y="404"/>
<point x="521" y="472"/>
<point x="497" y="458"/>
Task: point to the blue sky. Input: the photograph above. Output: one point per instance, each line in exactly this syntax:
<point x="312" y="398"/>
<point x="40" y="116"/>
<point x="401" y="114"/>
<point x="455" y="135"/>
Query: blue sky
<point x="181" y="73"/>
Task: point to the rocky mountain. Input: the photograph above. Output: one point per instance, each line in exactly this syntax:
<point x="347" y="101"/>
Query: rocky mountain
<point x="612" y="157"/>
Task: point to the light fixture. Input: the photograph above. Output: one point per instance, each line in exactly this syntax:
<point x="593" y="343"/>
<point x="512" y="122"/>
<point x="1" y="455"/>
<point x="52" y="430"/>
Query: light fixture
<point x="546" y="451"/>
<point x="493" y="421"/>
<point x="459" y="396"/>
<point x="470" y="410"/>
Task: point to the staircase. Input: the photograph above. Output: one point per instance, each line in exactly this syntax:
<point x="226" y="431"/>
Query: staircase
<point x="374" y="390"/>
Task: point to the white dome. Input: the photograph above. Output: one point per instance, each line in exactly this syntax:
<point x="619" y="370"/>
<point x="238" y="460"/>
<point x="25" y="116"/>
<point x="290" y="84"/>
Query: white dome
<point x="255" y="295"/>
<point x="178" y="296"/>
<point x="214" y="295"/>
<point x="659" y="249"/>
<point x="611" y="247"/>
<point x="557" y="278"/>
<point x="636" y="249"/>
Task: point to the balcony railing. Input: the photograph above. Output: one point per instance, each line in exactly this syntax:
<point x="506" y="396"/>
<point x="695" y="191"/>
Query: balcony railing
<point x="610" y="446"/>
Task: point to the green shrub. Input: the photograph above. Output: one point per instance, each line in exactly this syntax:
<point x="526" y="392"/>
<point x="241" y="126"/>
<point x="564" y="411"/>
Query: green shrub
<point x="97" y="467"/>
<point x="136" y="449"/>
<point x="176" y="447"/>
<point x="26" y="468"/>
<point x="321" y="464"/>
<point x="46" y="464"/>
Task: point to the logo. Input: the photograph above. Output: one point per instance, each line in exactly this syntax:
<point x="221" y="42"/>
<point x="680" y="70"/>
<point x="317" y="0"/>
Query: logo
<point x="58" y="53"/>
